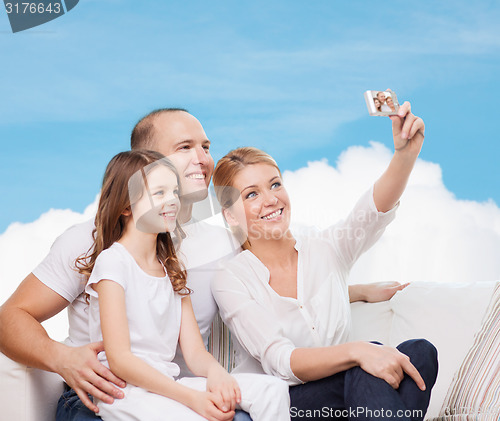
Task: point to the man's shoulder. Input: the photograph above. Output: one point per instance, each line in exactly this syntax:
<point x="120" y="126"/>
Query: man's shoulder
<point x="207" y="243"/>
<point x="76" y="239"/>
<point x="57" y="270"/>
<point x="83" y="228"/>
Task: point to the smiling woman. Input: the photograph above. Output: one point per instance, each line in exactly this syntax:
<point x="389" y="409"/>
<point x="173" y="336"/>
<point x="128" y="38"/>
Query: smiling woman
<point x="286" y="298"/>
<point x="262" y="205"/>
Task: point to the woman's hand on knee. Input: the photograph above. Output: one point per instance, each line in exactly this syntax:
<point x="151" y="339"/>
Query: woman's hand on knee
<point x="387" y="363"/>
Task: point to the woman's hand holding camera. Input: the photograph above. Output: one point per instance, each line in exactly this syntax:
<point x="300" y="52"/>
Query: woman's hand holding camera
<point x="407" y="130"/>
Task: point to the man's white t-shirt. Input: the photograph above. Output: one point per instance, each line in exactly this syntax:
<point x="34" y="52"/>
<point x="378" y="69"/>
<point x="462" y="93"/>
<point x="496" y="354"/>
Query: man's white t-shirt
<point x="385" y="108"/>
<point x="204" y="247"/>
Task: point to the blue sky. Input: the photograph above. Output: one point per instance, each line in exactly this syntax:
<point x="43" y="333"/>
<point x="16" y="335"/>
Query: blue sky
<point x="286" y="76"/>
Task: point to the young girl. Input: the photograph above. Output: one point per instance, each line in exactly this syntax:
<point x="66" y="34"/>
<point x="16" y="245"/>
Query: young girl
<point x="140" y="306"/>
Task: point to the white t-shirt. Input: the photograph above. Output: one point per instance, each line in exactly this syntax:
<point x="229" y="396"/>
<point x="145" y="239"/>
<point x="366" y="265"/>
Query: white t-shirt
<point x="203" y="248"/>
<point x="153" y="309"/>
<point x="267" y="326"/>
<point x="385" y="108"/>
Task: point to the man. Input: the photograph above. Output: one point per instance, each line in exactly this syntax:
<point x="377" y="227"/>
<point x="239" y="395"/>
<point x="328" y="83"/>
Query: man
<point x="54" y="285"/>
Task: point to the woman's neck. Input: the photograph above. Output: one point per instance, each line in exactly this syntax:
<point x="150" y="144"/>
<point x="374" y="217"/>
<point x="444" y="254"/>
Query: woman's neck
<point x="272" y="251"/>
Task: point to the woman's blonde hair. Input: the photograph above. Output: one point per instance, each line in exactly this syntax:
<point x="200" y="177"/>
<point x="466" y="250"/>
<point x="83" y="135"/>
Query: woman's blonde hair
<point x="115" y="200"/>
<point x="226" y="171"/>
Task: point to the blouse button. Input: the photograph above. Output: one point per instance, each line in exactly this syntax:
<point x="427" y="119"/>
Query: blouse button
<point x="300" y="306"/>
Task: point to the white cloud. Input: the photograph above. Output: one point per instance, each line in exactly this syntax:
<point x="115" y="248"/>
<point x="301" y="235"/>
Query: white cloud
<point x="435" y="237"/>
<point x="23" y="246"/>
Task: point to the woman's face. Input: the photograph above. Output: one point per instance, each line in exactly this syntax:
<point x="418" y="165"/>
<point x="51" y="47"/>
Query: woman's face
<point x="377" y="103"/>
<point x="157" y="208"/>
<point x="390" y="103"/>
<point x="263" y="210"/>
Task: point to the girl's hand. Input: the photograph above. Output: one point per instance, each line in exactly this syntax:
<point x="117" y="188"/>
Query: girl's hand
<point x="208" y="404"/>
<point x="221" y="383"/>
<point x="407" y="130"/>
<point x="387" y="363"/>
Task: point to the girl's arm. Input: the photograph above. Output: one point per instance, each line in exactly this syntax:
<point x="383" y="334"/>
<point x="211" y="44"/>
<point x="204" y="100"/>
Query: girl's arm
<point x="133" y="369"/>
<point x="408" y="132"/>
<point x="202" y="363"/>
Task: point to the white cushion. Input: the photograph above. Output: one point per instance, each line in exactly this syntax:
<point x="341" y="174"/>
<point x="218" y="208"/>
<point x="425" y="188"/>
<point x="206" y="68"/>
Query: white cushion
<point x="448" y="315"/>
<point x="371" y="322"/>
<point x="28" y="394"/>
<point x="475" y="390"/>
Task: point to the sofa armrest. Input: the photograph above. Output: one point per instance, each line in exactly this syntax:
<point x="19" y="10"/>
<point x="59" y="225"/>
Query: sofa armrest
<point x="28" y="394"/>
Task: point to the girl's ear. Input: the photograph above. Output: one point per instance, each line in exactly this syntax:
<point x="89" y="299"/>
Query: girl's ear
<point x="127" y="211"/>
<point x="229" y="217"/>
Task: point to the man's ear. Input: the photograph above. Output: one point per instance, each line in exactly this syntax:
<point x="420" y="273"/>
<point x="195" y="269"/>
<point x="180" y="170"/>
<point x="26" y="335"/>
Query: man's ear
<point x="127" y="211"/>
<point x="229" y="217"/>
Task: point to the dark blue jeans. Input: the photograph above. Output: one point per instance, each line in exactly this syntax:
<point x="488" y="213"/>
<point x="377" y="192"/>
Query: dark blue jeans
<point x="356" y="395"/>
<point x="71" y="408"/>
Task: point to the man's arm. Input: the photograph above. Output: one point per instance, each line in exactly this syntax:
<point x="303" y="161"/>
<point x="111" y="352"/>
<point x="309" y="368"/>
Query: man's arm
<point x="375" y="292"/>
<point x="23" y="339"/>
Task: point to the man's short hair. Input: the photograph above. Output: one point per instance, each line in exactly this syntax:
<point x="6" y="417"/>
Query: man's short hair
<point x="143" y="134"/>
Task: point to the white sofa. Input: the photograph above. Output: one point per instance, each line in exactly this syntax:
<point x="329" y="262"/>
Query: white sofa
<point x="449" y="315"/>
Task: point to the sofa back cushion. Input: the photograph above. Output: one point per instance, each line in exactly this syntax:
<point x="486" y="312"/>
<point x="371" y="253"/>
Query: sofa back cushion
<point x="371" y="322"/>
<point x="448" y="315"/>
<point x="475" y="390"/>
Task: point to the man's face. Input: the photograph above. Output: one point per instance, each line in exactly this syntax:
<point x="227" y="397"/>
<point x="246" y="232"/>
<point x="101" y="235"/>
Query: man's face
<point x="381" y="97"/>
<point x="181" y="138"/>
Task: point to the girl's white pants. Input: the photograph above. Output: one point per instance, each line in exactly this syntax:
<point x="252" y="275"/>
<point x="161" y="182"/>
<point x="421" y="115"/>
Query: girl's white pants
<point x="264" y="397"/>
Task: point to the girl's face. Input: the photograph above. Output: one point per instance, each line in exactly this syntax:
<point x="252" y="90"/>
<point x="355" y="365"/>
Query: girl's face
<point x="263" y="210"/>
<point x="157" y="209"/>
<point x="377" y="102"/>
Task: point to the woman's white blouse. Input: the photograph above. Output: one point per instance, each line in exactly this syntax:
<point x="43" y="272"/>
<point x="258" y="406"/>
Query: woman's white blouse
<point x="268" y="327"/>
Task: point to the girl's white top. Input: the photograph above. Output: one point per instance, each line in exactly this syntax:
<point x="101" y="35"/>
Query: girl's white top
<point x="267" y="326"/>
<point x="153" y="309"/>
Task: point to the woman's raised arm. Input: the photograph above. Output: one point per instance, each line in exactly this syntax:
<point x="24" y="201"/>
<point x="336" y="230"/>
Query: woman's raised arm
<point x="408" y="133"/>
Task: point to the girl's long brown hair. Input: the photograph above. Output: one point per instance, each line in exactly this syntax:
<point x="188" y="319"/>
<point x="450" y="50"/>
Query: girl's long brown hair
<point x="114" y="201"/>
